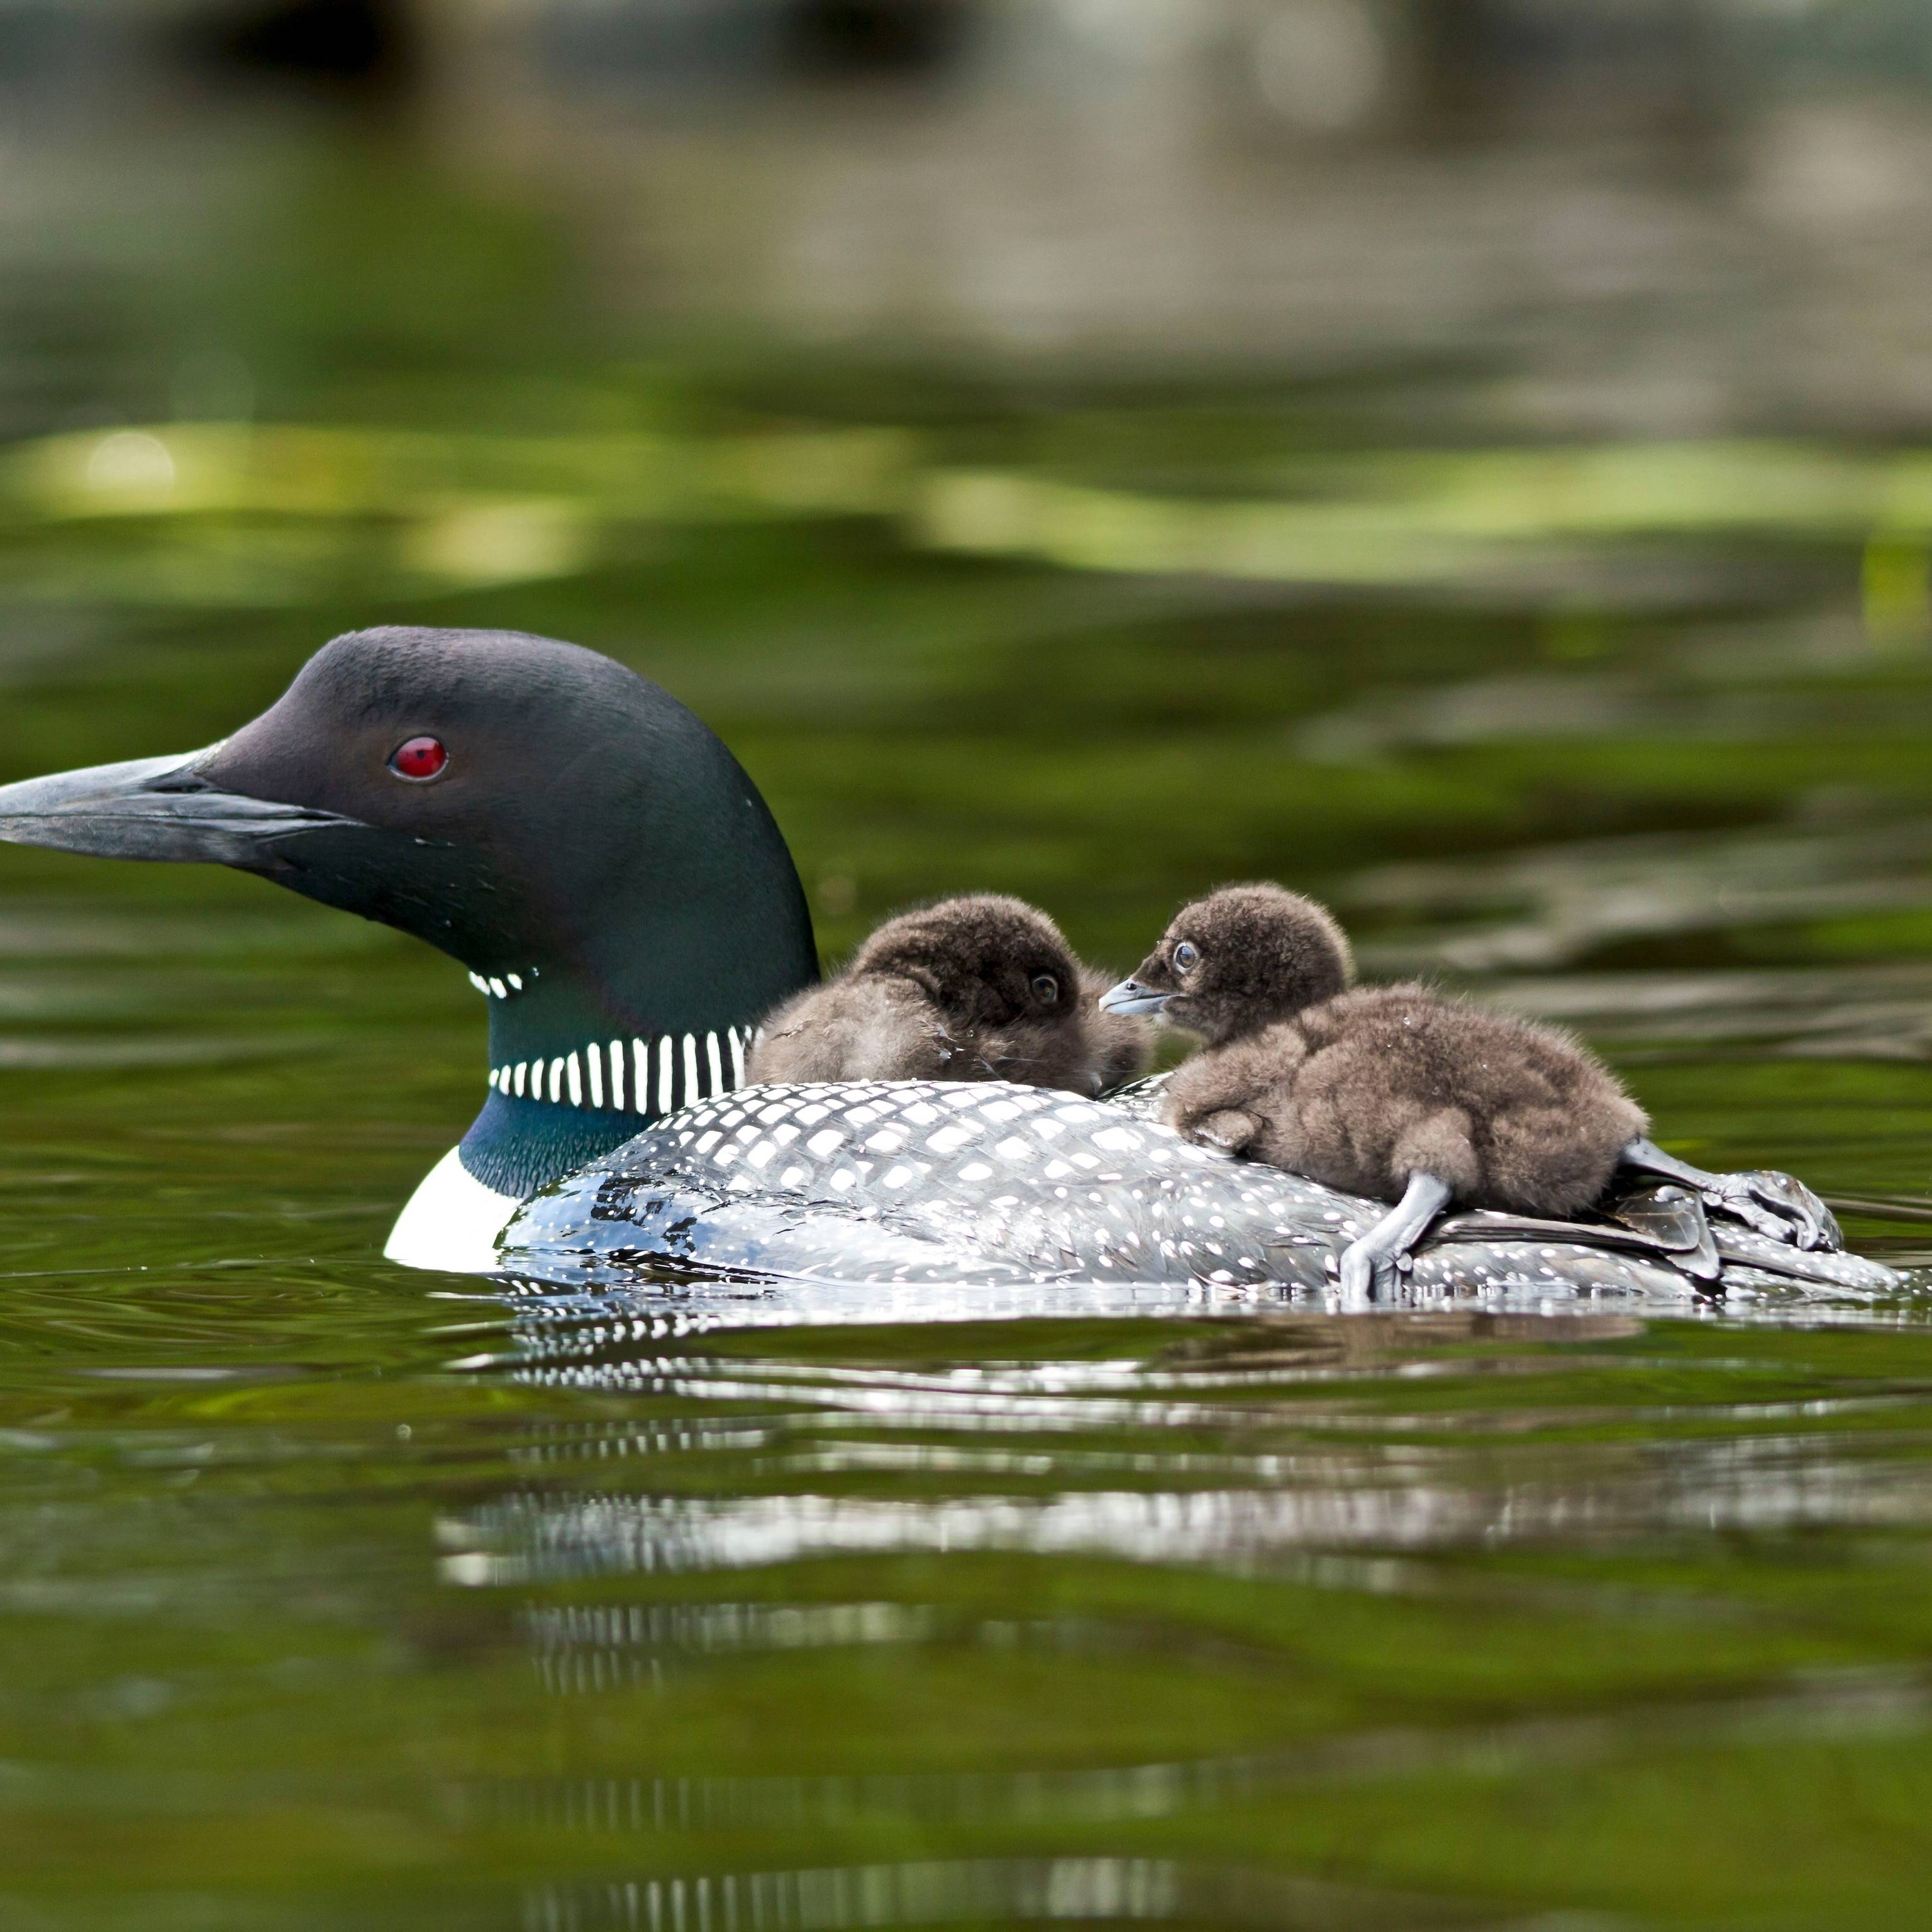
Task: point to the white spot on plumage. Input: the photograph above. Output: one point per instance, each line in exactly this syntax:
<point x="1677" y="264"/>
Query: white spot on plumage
<point x="822" y="1143"/>
<point x="496" y="986"/>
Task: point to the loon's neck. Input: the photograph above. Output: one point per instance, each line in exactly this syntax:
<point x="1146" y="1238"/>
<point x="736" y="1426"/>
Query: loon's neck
<point x="572" y="1074"/>
<point x="651" y="942"/>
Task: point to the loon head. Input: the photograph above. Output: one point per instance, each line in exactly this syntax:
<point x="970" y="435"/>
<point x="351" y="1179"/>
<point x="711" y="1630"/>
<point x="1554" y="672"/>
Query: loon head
<point x="578" y="840"/>
<point x="1237" y="960"/>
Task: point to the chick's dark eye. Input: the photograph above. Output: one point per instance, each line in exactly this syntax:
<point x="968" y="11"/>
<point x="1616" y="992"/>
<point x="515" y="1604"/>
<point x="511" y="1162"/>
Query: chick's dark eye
<point x="1186" y="956"/>
<point x="418" y="758"/>
<point x="1045" y="988"/>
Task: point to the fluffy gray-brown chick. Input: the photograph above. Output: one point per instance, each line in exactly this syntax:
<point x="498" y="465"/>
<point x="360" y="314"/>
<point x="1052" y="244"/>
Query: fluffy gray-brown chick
<point x="981" y="987"/>
<point x="1392" y="1092"/>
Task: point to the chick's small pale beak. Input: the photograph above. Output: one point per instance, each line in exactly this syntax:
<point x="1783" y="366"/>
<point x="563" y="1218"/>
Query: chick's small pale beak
<point x="1131" y="997"/>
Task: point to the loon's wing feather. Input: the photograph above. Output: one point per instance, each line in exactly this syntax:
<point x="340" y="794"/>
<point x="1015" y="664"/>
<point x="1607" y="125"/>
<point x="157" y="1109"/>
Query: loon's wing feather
<point x="985" y="1182"/>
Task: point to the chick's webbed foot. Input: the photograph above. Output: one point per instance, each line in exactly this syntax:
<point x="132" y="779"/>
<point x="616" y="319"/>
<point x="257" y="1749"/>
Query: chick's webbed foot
<point x="1229" y="1130"/>
<point x="1770" y="1204"/>
<point x="1370" y="1263"/>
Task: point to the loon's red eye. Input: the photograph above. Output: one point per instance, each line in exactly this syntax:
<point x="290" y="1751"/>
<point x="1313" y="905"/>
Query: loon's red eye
<point x="418" y="758"/>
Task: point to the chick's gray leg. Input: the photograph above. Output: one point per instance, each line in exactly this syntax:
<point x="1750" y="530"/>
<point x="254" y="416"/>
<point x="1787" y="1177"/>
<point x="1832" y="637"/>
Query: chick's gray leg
<point x="1368" y="1262"/>
<point x="1773" y="1204"/>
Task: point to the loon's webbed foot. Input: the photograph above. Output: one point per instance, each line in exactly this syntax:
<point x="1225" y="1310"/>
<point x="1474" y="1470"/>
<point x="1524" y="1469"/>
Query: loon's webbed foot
<point x="1776" y="1205"/>
<point x="1370" y="1262"/>
<point x="1770" y="1204"/>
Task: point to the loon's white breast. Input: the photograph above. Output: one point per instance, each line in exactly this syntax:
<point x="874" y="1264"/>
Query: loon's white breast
<point x="452" y="1222"/>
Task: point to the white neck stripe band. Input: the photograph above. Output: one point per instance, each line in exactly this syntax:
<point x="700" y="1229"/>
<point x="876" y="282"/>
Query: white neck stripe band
<point x="690" y="1067"/>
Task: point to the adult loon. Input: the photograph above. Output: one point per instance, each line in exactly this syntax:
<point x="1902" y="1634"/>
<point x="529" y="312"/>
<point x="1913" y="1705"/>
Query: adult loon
<point x="620" y="893"/>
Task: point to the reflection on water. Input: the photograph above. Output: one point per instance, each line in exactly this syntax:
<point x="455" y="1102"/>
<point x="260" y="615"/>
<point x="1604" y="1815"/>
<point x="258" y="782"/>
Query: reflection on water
<point x="943" y="1892"/>
<point x="1281" y="1457"/>
<point x="1478" y="1536"/>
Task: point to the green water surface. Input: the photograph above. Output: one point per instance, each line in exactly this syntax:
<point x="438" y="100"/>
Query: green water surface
<point x="335" y="1595"/>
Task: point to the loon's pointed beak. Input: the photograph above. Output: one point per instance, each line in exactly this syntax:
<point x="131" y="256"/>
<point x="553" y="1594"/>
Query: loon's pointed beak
<point x="1128" y="997"/>
<point x="152" y="809"/>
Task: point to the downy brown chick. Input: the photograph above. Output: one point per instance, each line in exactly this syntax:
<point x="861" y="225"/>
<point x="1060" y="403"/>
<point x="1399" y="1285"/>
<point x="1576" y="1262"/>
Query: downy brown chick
<point x="1394" y="1092"/>
<point x="982" y="988"/>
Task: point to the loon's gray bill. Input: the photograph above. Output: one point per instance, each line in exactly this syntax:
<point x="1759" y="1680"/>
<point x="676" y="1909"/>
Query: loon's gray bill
<point x="151" y="809"/>
<point x="1128" y="997"/>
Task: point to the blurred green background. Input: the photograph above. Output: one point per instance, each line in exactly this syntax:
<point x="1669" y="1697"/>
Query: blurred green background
<point x="1471" y="460"/>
